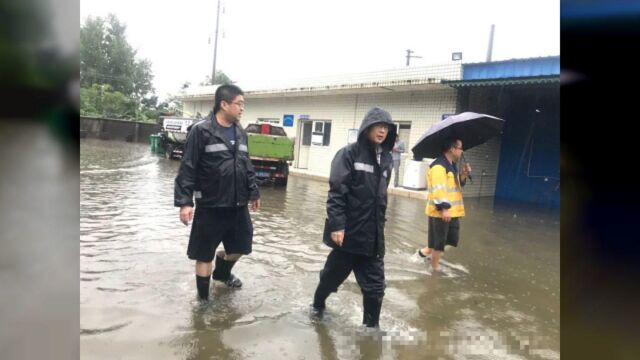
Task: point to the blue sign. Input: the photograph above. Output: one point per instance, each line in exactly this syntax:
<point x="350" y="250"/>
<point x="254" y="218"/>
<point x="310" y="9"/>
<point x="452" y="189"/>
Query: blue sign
<point x="287" y="120"/>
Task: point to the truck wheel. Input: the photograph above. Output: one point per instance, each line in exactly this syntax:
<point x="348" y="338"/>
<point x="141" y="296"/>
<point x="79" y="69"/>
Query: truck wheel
<point x="283" y="181"/>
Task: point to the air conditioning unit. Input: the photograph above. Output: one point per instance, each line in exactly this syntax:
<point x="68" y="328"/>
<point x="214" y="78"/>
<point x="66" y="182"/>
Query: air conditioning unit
<point x="415" y="174"/>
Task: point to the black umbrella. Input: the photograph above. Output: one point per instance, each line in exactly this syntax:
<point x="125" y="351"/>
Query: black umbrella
<point x="472" y="128"/>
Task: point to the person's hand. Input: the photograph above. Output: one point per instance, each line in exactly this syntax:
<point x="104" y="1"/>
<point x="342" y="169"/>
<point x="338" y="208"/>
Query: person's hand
<point x="467" y="169"/>
<point x="446" y="217"/>
<point x="186" y="214"/>
<point x="254" y="205"/>
<point x="338" y="237"/>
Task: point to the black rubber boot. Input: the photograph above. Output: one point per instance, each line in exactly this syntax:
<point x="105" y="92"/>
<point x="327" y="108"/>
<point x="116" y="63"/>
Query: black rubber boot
<point x="202" y="283"/>
<point x="319" y="299"/>
<point x="371" y="313"/>
<point x="222" y="272"/>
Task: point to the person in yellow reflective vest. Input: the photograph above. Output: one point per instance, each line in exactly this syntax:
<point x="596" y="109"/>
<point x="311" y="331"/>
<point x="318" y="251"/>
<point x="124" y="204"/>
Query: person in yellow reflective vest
<point x="444" y="203"/>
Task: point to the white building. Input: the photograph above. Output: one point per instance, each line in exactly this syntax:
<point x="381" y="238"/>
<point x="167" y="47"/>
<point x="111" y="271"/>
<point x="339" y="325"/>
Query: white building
<point x="326" y="110"/>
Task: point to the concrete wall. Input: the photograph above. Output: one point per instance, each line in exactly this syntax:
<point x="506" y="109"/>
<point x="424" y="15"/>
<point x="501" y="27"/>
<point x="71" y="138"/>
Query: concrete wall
<point x="114" y="129"/>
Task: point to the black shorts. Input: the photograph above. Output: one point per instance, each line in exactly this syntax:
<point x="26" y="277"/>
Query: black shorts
<point x="442" y="233"/>
<point x="211" y="226"/>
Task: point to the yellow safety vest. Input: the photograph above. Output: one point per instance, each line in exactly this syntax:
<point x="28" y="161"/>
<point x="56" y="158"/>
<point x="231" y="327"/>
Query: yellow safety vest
<point x="444" y="188"/>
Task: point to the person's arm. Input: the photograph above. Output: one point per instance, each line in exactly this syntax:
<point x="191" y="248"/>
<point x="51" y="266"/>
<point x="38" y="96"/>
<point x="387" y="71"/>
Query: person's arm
<point x="185" y="180"/>
<point x="254" y="193"/>
<point x="341" y="168"/>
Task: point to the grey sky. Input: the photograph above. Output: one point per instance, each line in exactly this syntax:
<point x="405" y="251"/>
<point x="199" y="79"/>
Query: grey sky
<point x="262" y="40"/>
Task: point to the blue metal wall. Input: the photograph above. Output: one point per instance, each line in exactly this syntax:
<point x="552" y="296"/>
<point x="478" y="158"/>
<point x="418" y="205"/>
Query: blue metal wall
<point x="545" y="66"/>
<point x="529" y="169"/>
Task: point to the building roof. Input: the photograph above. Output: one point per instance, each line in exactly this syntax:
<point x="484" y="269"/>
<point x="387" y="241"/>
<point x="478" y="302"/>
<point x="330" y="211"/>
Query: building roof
<point x="506" y="81"/>
<point x="402" y="79"/>
<point x="538" y="70"/>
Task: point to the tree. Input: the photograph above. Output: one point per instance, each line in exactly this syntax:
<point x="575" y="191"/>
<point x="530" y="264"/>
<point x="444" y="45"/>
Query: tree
<point x="221" y="78"/>
<point x="107" y="58"/>
<point x="171" y="106"/>
<point x="103" y="101"/>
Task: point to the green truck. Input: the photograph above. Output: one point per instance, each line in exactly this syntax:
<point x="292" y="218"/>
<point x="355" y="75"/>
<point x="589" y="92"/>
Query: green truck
<point x="270" y="151"/>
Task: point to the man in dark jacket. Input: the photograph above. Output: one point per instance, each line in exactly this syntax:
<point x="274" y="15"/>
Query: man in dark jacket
<point x="217" y="172"/>
<point x="356" y="209"/>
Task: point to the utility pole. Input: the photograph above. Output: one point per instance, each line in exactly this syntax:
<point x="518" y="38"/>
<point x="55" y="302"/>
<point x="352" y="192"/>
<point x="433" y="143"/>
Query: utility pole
<point x="490" y="50"/>
<point x="409" y="56"/>
<point x="215" y="46"/>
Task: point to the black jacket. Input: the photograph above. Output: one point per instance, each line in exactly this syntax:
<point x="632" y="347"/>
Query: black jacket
<point x="213" y="171"/>
<point x="357" y="199"/>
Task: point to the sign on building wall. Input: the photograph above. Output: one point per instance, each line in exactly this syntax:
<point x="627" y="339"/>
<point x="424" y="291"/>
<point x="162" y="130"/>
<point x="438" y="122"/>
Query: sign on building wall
<point x="317" y="138"/>
<point x="287" y="120"/>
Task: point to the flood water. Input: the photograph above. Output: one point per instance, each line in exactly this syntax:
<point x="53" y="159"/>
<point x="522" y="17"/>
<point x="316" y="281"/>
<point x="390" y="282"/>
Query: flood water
<point x="499" y="299"/>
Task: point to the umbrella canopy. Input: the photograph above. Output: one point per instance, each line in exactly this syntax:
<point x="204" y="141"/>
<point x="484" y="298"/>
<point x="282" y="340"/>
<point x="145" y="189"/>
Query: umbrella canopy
<point x="472" y="128"/>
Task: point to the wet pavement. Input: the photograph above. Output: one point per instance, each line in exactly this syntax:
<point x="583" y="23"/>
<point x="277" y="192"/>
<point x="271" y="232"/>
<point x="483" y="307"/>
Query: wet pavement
<point x="498" y="300"/>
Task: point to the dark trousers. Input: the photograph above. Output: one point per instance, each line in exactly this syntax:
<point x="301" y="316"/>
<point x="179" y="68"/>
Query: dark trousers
<point x="369" y="272"/>
<point x="396" y="172"/>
